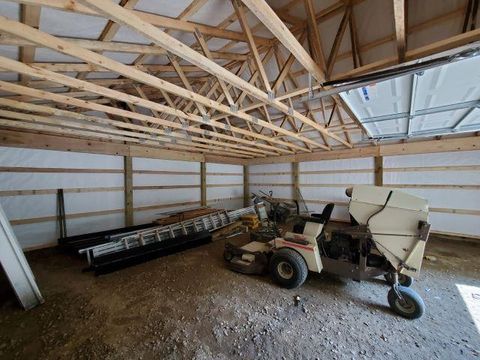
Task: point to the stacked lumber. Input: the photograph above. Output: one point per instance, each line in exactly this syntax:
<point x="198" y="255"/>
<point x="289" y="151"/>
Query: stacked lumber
<point x="250" y="220"/>
<point x="236" y="227"/>
<point x="185" y="215"/>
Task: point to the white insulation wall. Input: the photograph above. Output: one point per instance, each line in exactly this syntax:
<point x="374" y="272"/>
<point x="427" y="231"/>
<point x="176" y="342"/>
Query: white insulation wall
<point x="272" y="177"/>
<point x="322" y="182"/>
<point x="449" y="181"/>
<point x="224" y="186"/>
<point x="160" y="185"/>
<point x="94" y="191"/>
<point x="33" y="215"/>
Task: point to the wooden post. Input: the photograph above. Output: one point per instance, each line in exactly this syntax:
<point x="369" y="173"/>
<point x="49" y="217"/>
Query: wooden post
<point x="246" y="186"/>
<point x="128" y="173"/>
<point x="295" y="181"/>
<point x="378" y="160"/>
<point x="203" y="183"/>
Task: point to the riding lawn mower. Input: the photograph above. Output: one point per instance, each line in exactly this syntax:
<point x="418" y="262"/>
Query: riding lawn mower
<point x="386" y="236"/>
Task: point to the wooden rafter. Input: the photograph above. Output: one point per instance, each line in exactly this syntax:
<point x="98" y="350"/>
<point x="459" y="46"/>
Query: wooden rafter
<point x="154" y="19"/>
<point x="400" y="34"/>
<point x="268" y="17"/>
<point x="30" y="15"/>
<point x="207" y="99"/>
<point x="251" y="44"/>
<point x="338" y="40"/>
<point x="114" y="95"/>
<point x="62" y="99"/>
<point x="314" y="35"/>
<point x="115" y="46"/>
<point x="121" y="15"/>
<point x="111" y="29"/>
<point x="137" y="75"/>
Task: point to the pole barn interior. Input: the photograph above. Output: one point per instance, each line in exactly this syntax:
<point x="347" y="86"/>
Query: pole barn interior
<point x="119" y="115"/>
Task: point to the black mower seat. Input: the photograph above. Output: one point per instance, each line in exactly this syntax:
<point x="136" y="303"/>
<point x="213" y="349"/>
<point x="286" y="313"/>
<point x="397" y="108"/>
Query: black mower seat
<point x="324" y="217"/>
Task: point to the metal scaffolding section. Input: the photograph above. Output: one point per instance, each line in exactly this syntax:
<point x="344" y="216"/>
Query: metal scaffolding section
<point x="139" y="238"/>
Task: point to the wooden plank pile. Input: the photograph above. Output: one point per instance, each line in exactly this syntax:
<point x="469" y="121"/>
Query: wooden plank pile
<point x="185" y="215"/>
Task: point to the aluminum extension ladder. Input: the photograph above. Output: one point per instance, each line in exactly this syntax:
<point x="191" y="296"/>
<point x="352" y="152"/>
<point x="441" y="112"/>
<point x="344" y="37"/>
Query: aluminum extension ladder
<point x="209" y="222"/>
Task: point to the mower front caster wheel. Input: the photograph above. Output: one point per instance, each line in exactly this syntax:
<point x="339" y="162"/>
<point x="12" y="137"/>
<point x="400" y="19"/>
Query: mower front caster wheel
<point x="410" y="306"/>
<point x="288" y="268"/>
<point x="403" y="280"/>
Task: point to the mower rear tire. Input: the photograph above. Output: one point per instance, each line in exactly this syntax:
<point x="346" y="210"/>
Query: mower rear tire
<point x="288" y="268"/>
<point x="413" y="306"/>
<point x="403" y="280"/>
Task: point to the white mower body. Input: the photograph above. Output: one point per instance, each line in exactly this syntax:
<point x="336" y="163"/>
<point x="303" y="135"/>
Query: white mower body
<point x="395" y="229"/>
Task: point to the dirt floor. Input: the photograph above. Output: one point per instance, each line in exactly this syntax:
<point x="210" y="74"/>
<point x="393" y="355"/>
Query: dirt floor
<point x="188" y="305"/>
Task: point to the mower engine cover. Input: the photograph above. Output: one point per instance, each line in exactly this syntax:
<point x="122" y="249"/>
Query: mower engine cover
<point x="398" y="223"/>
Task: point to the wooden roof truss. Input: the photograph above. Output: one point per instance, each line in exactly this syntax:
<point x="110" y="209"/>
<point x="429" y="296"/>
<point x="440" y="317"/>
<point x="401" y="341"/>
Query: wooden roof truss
<point x="245" y="99"/>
